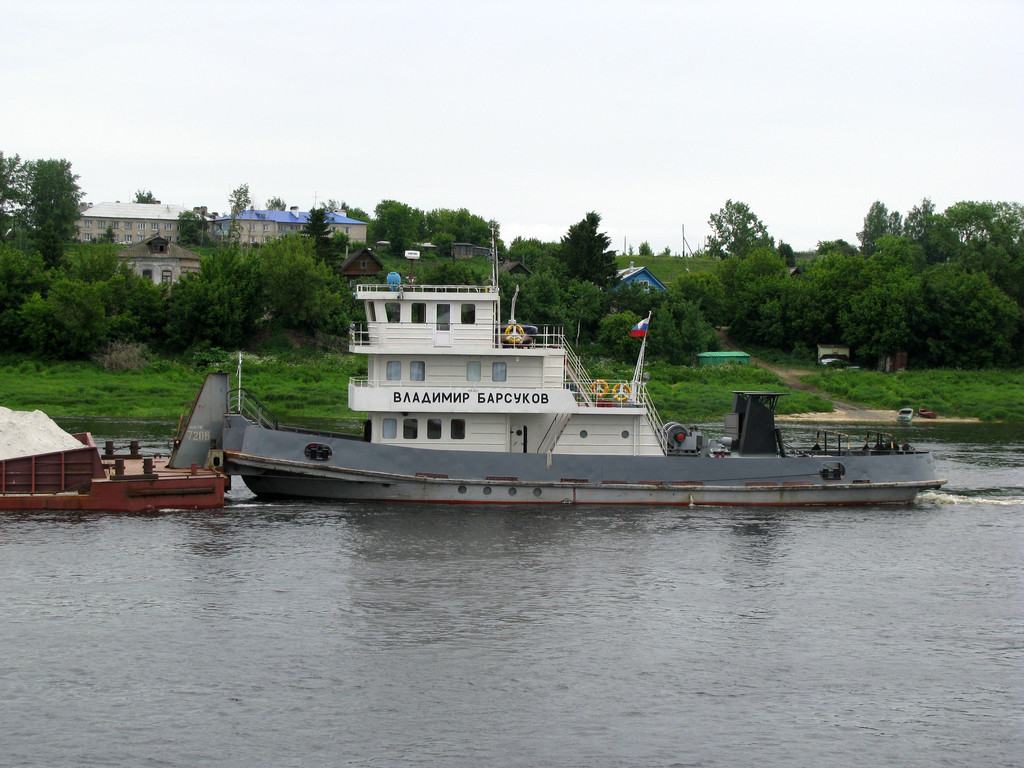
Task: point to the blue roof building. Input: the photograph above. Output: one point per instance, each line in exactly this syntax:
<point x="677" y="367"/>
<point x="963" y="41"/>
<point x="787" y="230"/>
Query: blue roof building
<point x="633" y="275"/>
<point x="264" y="226"/>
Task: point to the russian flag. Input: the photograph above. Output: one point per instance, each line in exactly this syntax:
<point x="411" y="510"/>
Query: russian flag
<point x="640" y="329"/>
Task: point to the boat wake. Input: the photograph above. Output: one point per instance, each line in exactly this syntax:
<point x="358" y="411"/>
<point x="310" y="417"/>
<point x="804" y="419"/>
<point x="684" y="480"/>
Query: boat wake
<point x="936" y="497"/>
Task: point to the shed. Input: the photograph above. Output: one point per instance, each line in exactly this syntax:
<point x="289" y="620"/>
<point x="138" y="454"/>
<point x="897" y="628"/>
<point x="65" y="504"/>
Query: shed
<point x="723" y="358"/>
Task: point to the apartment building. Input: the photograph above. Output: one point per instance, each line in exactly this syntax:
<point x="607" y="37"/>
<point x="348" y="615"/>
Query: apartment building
<point x="129" y="222"/>
<point x="259" y="227"/>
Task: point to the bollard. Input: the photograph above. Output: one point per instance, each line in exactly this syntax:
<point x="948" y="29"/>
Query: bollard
<point x="147" y="466"/>
<point x="119" y="467"/>
<point x="134" y="448"/>
<point x="108" y="449"/>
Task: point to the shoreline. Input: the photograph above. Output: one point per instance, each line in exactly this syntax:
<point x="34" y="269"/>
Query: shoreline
<point x="868" y="416"/>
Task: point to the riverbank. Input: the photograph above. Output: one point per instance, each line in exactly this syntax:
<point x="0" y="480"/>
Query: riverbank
<point x="313" y="388"/>
<point x="868" y="416"/>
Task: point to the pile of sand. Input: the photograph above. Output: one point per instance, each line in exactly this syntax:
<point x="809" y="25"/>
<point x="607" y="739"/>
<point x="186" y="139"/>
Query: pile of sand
<point x="24" y="433"/>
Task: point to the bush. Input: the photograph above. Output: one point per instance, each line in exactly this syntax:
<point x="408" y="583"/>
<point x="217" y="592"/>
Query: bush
<point x="122" y="356"/>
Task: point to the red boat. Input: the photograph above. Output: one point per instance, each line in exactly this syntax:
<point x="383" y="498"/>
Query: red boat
<point x="80" y="480"/>
<point x="924" y="413"/>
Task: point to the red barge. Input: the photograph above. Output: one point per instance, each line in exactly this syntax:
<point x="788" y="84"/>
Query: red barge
<point x="80" y="479"/>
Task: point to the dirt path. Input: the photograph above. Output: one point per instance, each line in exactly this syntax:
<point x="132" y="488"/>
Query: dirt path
<point x="791" y="378"/>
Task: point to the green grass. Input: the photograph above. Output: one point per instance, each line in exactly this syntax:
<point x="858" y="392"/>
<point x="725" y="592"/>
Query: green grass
<point x="311" y="386"/>
<point x="994" y="395"/>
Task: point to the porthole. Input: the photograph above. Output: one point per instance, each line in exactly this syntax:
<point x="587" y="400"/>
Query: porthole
<point x="511" y="491"/>
<point x="583" y="433"/>
<point x="536" y="491"/>
<point x="462" y="489"/>
<point x="487" y="490"/>
<point x="625" y="434"/>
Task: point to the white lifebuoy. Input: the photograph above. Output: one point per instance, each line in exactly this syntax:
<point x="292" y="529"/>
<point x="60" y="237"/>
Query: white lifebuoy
<point x="514" y="333"/>
<point x="621" y="391"/>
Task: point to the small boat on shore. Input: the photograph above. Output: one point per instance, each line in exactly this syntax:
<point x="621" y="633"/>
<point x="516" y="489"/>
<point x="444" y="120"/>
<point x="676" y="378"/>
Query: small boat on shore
<point x="905" y="415"/>
<point x="924" y="413"/>
<point x="464" y="407"/>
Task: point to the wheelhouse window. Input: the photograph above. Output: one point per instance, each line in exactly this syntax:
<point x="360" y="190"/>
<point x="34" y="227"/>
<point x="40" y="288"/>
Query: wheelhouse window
<point x="394" y="311"/>
<point x="433" y="429"/>
<point x="410" y="429"/>
<point x="468" y="314"/>
<point x="419" y="312"/>
<point x="444" y="317"/>
<point x="417" y="370"/>
<point x="458" y="429"/>
<point x="394" y="370"/>
<point x="473" y="370"/>
<point x="389" y="429"/>
<point x="499" y="371"/>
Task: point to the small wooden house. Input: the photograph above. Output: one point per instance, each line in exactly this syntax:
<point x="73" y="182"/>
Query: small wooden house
<point x="515" y="268"/>
<point x="361" y="263"/>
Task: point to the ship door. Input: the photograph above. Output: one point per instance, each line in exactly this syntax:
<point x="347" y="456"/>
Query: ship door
<point x="443" y="326"/>
<point x="517" y="443"/>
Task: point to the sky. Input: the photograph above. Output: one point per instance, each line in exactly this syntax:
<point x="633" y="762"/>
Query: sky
<point x="652" y="113"/>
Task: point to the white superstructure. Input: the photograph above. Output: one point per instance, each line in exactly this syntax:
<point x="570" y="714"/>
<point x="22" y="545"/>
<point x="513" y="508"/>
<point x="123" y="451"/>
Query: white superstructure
<point x="444" y="372"/>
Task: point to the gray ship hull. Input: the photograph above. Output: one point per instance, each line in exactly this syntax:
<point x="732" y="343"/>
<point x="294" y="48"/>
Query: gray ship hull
<point x="281" y="461"/>
<point x="277" y="462"/>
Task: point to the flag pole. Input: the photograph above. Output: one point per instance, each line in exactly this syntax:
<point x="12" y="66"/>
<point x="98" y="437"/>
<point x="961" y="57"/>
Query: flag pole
<point x="638" y="371"/>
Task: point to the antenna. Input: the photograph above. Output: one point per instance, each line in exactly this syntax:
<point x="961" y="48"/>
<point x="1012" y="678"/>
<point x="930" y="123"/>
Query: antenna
<point x="686" y="245"/>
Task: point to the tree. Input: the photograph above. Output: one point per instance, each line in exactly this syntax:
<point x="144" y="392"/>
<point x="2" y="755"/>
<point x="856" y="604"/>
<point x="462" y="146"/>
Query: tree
<point x="706" y="290"/>
<point x="276" y="204"/>
<point x="299" y="287"/>
<point x="679" y="331"/>
<point x="585" y="304"/>
<point x="531" y="251"/>
<point x="70" y="322"/>
<point x="786" y="252"/>
<point x="879" y="221"/>
<point x="221" y="305"/>
<point x="881" y="313"/>
<point x="736" y="231"/>
<point x="756" y="303"/>
<point x="842" y="247"/>
<point x="144" y="196"/>
<point x="318" y="230"/>
<point x="966" y="321"/>
<point x="14" y="186"/>
<point x="920" y="226"/>
<point x="445" y="226"/>
<point x="613" y="335"/>
<point x="399" y="224"/>
<point x="585" y="253"/>
<point x="21" y="276"/>
<point x="985" y="238"/>
<point x="52" y="208"/>
<point x="239" y="200"/>
<point x="191" y="228"/>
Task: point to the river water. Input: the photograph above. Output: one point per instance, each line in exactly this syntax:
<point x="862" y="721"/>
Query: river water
<point x="300" y="634"/>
